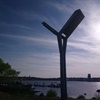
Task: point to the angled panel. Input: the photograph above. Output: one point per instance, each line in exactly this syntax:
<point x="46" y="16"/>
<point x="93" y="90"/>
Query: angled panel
<point x="72" y="23"/>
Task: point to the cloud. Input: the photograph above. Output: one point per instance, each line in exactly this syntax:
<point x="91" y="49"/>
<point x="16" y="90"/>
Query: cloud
<point x="26" y="13"/>
<point x="61" y="6"/>
<point x="37" y="62"/>
<point x="40" y="56"/>
<point x="34" y="62"/>
<point x="83" y="46"/>
<point x="4" y="24"/>
<point x="31" y="15"/>
<point x="27" y="39"/>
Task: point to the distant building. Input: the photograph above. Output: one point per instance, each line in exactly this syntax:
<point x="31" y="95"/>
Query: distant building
<point x="89" y="77"/>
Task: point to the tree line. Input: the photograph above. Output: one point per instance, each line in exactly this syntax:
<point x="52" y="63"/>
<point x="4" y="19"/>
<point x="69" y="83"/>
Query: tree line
<point x="6" y="70"/>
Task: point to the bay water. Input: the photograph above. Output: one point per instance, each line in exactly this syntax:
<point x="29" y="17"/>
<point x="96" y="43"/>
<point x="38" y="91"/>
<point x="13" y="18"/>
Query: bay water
<point x="74" y="88"/>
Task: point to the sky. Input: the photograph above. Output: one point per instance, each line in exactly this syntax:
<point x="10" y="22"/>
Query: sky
<point x="33" y="50"/>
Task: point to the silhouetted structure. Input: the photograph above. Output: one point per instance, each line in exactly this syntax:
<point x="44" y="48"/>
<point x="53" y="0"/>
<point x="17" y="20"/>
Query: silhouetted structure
<point x="89" y="77"/>
<point x="62" y="37"/>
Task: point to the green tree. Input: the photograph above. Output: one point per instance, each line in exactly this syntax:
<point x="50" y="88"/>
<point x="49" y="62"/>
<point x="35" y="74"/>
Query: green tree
<point x="6" y="70"/>
<point x="51" y="93"/>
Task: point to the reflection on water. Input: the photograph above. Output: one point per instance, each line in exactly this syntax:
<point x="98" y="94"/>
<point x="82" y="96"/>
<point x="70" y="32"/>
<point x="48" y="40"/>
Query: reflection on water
<point x="74" y="89"/>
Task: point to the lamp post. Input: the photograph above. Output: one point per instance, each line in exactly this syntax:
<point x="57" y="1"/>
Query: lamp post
<point x="62" y="37"/>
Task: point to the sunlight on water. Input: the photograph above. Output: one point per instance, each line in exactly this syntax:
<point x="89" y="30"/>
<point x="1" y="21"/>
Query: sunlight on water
<point x="98" y="85"/>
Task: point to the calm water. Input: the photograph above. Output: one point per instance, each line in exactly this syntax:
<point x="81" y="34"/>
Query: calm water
<point x="74" y="88"/>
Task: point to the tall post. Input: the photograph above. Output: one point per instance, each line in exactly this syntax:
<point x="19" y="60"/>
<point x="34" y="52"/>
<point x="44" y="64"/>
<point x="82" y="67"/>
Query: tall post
<point x="67" y="30"/>
<point x="62" y="50"/>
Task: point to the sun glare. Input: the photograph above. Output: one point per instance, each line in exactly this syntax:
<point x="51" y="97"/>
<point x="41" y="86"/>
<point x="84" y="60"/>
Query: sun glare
<point x="94" y="29"/>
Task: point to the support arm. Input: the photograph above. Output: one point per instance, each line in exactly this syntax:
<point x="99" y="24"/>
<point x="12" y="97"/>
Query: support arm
<point x="52" y="30"/>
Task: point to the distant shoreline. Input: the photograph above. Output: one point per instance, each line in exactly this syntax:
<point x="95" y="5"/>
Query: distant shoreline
<point x="58" y="79"/>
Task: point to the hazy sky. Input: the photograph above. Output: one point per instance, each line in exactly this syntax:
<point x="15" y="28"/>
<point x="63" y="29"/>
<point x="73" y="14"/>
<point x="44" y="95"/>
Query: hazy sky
<point x="32" y="49"/>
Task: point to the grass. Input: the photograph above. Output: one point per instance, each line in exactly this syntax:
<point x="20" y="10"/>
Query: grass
<point x="9" y="96"/>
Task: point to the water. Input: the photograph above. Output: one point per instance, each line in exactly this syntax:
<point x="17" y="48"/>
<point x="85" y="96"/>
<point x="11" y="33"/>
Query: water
<point x="74" y="88"/>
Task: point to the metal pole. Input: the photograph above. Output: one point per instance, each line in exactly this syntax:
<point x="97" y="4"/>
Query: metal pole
<point x="62" y="50"/>
<point x="67" y="29"/>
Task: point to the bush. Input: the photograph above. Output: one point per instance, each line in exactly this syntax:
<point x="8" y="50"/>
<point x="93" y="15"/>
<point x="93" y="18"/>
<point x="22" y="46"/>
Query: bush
<point x="16" y="88"/>
<point x="93" y="98"/>
<point x="41" y="95"/>
<point x="51" y="93"/>
<point x="81" y="97"/>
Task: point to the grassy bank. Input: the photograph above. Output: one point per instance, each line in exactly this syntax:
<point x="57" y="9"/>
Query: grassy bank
<point x="8" y="96"/>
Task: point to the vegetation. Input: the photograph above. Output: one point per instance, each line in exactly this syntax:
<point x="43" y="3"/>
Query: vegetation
<point x="17" y="91"/>
<point x="8" y="96"/>
<point x="29" y="96"/>
<point x="98" y="91"/>
<point x="81" y="97"/>
<point x="4" y="96"/>
<point x="51" y="93"/>
<point x="6" y="70"/>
